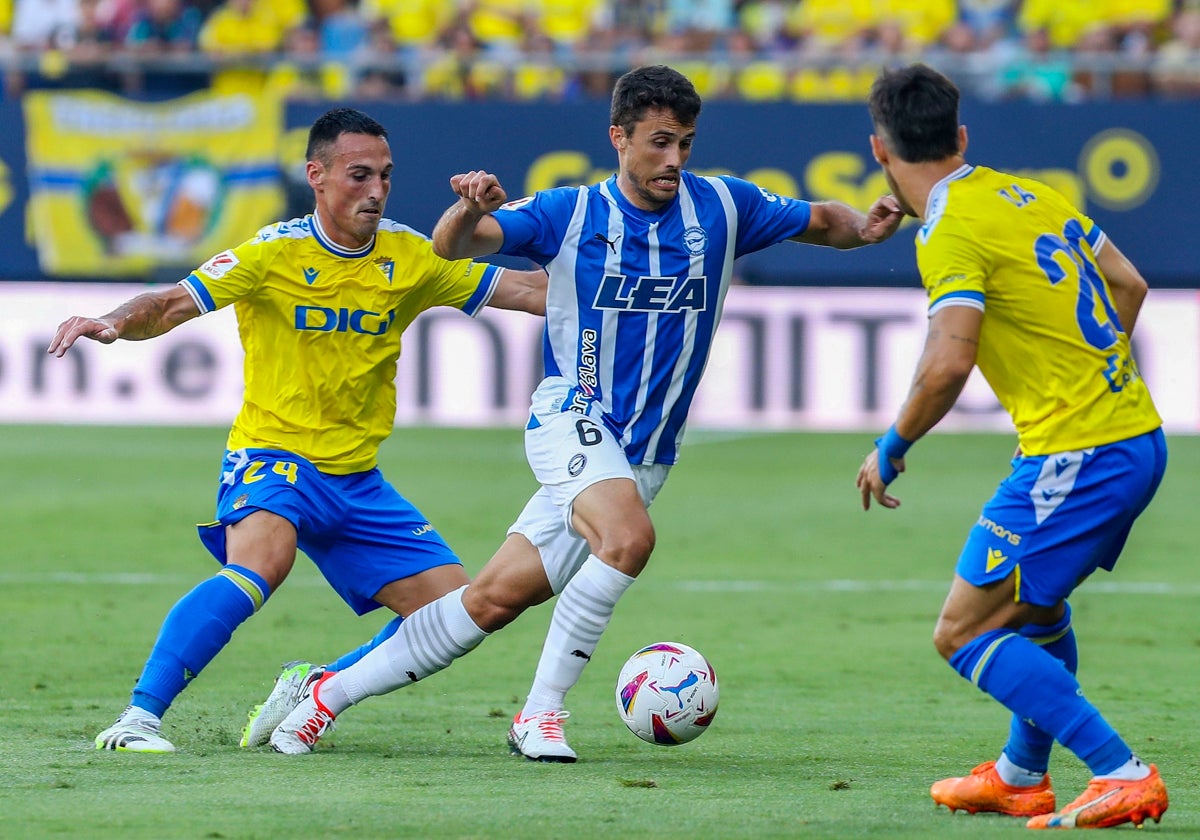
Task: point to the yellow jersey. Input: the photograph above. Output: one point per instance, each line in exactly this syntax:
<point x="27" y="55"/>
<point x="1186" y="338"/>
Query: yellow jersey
<point x="1066" y="21"/>
<point x="321" y="328"/>
<point x="1051" y="346"/>
<point x="413" y="23"/>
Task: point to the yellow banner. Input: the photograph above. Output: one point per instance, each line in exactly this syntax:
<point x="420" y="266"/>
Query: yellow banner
<point x="119" y="188"/>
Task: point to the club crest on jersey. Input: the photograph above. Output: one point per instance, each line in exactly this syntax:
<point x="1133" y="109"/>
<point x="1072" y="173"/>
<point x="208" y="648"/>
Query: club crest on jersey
<point x="387" y="266"/>
<point x="695" y="240"/>
<point x="651" y="294"/>
<point x="219" y="266"/>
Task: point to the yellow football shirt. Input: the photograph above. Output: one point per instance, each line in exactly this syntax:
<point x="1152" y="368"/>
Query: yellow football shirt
<point x="321" y="329"/>
<point x="233" y="32"/>
<point x="830" y="22"/>
<point x="567" y="21"/>
<point x="413" y="23"/>
<point x="1051" y="345"/>
<point x="1065" y="21"/>
<point x="923" y="22"/>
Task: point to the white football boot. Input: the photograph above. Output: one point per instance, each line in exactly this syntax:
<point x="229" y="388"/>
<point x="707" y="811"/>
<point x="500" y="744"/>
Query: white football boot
<point x="136" y="730"/>
<point x="306" y="723"/>
<point x="539" y="737"/>
<point x="289" y="687"/>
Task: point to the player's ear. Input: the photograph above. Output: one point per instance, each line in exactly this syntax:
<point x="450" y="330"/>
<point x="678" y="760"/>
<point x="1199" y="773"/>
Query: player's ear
<point x="878" y="150"/>
<point x="315" y="173"/>
<point x="962" y="139"/>
<point x="616" y="135"/>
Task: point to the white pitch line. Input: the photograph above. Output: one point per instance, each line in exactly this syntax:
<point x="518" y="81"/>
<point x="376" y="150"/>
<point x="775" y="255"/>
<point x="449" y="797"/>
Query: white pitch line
<point x="856" y="586"/>
<point x="709" y="437"/>
<point x="1101" y="587"/>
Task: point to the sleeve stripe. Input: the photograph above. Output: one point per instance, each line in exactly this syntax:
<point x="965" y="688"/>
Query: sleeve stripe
<point x="972" y="299"/>
<point x="485" y="290"/>
<point x="200" y="295"/>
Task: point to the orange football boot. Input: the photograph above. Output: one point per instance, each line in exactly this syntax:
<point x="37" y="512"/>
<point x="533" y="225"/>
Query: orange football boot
<point x="1109" y="802"/>
<point x="984" y="790"/>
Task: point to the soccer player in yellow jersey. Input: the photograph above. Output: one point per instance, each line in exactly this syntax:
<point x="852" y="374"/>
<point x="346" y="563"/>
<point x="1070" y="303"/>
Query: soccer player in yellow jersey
<point x="321" y="304"/>
<point x="1028" y="288"/>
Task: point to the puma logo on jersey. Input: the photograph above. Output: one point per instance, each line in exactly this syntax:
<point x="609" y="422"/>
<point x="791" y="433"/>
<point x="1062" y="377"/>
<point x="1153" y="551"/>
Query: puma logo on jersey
<point x="652" y="294"/>
<point x="611" y="243"/>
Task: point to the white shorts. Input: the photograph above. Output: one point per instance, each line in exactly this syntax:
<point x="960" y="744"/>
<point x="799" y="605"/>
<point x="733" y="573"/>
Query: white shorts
<point x="569" y="452"/>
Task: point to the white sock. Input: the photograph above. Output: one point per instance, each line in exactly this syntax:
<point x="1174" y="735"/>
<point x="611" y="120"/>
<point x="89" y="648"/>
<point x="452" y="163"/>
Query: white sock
<point x="1132" y="770"/>
<point x="582" y="612"/>
<point x="426" y="642"/>
<point x="1016" y="776"/>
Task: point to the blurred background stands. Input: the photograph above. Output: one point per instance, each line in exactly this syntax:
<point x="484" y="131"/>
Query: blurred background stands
<point x="548" y="50"/>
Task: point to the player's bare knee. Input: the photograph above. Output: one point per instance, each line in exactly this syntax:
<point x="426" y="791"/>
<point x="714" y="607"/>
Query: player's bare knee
<point x="271" y="567"/>
<point x="629" y="550"/>
<point x="947" y="638"/>
<point x="485" y="612"/>
<point x="492" y="607"/>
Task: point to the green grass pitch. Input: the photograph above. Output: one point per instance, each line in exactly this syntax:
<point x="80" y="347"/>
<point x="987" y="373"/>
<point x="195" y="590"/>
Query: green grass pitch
<point x="836" y="713"/>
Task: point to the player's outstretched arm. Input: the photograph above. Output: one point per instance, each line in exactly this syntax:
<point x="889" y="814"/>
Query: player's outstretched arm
<point x="1128" y="286"/>
<point x="467" y="228"/>
<point x="841" y="226"/>
<point x="945" y="365"/>
<point x="521" y="290"/>
<point x="145" y="316"/>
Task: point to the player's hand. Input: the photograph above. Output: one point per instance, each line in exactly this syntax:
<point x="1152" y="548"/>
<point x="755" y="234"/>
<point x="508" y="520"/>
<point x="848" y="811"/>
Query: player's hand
<point x="77" y="327"/>
<point x="872" y="486"/>
<point x="480" y="191"/>
<point x="883" y="219"/>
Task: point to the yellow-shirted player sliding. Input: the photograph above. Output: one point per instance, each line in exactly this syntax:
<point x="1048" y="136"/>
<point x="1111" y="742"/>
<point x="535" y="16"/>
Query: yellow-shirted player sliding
<point x="1029" y="289"/>
<point x="321" y="303"/>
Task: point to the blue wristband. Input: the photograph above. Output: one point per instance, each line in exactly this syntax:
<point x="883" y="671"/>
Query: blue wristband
<point x="890" y="446"/>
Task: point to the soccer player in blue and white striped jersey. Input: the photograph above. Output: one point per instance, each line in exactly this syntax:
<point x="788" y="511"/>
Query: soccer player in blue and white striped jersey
<point x="639" y="267"/>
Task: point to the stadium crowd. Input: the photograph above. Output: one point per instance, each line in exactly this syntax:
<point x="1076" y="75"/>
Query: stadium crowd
<point x="762" y="50"/>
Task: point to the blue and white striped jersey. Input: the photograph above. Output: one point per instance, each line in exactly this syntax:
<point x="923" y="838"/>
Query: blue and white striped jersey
<point x="635" y="296"/>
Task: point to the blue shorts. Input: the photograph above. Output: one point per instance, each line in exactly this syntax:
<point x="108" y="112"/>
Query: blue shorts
<point x="1057" y="518"/>
<point x="356" y="528"/>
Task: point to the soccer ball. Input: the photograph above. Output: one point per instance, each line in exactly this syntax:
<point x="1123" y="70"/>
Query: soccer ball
<point x="667" y="693"/>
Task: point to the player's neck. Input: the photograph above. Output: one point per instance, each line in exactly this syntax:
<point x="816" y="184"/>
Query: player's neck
<point x="917" y="180"/>
<point x="340" y="238"/>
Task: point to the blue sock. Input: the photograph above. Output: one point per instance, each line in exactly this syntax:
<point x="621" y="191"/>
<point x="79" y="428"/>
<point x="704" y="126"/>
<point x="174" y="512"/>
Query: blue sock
<point x="194" y="631"/>
<point x="1034" y="685"/>
<point x="1028" y="746"/>
<point x="348" y="659"/>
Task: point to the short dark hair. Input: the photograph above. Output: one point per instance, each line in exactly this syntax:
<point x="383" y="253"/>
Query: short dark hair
<point x="333" y="124"/>
<point x="915" y="112"/>
<point x="649" y="88"/>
